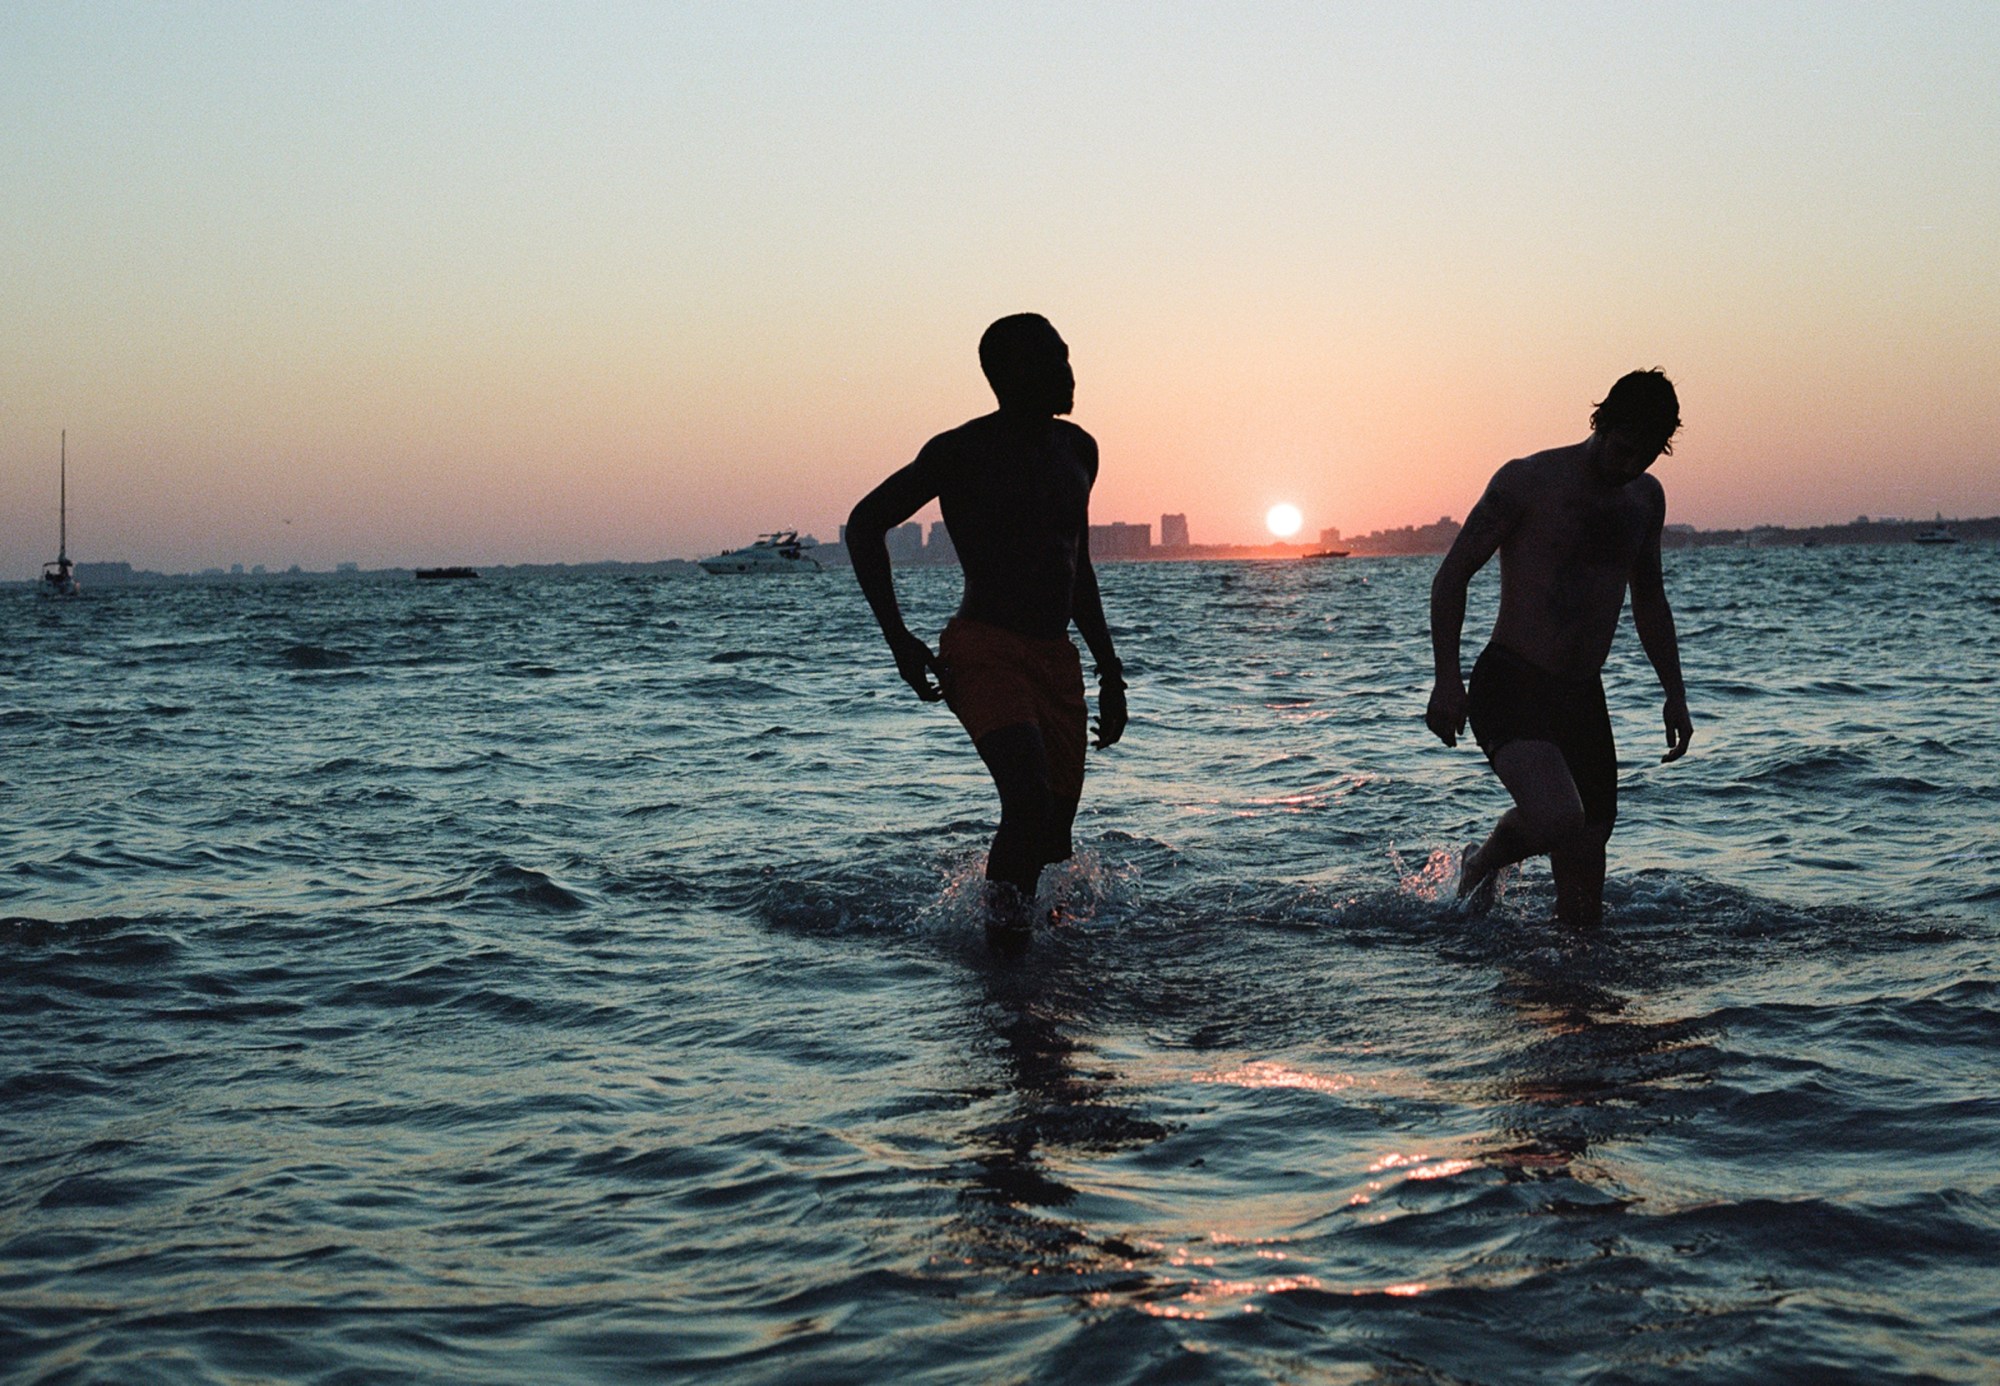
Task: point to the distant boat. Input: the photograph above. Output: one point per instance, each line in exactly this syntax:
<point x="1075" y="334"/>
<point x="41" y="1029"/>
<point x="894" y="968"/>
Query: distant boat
<point x="1323" y="553"/>
<point x="1939" y="533"/>
<point x="444" y="574"/>
<point x="59" y="577"/>
<point x="781" y="552"/>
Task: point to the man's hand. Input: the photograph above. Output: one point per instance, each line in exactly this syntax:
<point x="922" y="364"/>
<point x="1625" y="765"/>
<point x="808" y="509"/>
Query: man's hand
<point x="920" y="669"/>
<point x="1110" y="710"/>
<point x="1446" y="713"/>
<point x="1680" y="727"/>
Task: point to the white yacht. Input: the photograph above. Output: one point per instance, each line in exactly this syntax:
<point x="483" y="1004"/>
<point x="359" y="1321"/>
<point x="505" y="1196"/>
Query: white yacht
<point x="782" y="552"/>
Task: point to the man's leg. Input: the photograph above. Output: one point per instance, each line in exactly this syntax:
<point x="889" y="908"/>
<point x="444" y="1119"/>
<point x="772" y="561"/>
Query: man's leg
<point x="1061" y="845"/>
<point x="1578" y="868"/>
<point x="1018" y="760"/>
<point x="1547" y="812"/>
<point x="1578" y="864"/>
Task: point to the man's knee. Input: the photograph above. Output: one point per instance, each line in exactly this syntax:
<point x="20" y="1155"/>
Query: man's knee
<point x="1550" y="810"/>
<point x="1554" y="827"/>
<point x="1029" y="803"/>
<point x="1584" y="849"/>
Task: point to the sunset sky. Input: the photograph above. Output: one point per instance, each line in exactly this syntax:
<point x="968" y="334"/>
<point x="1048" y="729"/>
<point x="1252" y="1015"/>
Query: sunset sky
<point x="434" y="283"/>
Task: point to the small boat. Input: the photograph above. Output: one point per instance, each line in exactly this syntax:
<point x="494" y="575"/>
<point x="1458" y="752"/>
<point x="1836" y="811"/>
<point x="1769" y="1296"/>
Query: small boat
<point x="444" y="574"/>
<point x="1939" y="533"/>
<point x="1323" y="553"/>
<point x="59" y="577"/>
<point x="780" y="552"/>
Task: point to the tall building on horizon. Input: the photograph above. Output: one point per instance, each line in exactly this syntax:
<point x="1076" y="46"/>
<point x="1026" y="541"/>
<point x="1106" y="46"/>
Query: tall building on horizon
<point x="1120" y="541"/>
<point x="906" y="543"/>
<point x="938" y="548"/>
<point x="1173" y="532"/>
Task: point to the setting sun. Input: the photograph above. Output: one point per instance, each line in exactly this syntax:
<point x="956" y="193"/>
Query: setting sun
<point x="1283" y="520"/>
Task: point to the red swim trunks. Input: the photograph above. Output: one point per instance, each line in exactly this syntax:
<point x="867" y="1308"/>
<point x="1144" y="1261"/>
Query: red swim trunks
<point x="1001" y="679"/>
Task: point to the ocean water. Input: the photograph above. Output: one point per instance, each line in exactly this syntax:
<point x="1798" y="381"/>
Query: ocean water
<point x="581" y="979"/>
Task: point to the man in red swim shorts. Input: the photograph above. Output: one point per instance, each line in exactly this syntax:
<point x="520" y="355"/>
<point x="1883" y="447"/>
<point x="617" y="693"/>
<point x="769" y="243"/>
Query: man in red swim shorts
<point x="1014" y="487"/>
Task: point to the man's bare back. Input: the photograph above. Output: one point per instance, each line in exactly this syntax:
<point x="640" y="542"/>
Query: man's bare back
<point x="1015" y="494"/>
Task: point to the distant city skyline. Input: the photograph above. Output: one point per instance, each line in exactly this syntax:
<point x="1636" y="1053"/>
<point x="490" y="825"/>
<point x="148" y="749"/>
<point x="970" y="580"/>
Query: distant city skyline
<point x="451" y="283"/>
<point x="929" y="531"/>
<point x="1401" y="541"/>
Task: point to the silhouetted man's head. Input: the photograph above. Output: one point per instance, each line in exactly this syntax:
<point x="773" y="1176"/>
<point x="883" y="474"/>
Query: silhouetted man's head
<point x="1027" y="363"/>
<point x="1634" y="425"/>
<point x="1643" y="406"/>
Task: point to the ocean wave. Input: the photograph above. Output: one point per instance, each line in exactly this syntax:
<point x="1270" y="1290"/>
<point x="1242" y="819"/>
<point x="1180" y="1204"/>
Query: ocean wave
<point x="504" y="886"/>
<point x="315" y="657"/>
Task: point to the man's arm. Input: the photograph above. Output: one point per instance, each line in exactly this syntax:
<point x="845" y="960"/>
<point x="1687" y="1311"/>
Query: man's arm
<point x="875" y="514"/>
<point x="1087" y="610"/>
<point x="1654" y="620"/>
<point x="1485" y="528"/>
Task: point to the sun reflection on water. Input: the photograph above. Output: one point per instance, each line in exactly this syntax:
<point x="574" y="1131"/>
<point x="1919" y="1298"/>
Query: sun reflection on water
<point x="1269" y="1073"/>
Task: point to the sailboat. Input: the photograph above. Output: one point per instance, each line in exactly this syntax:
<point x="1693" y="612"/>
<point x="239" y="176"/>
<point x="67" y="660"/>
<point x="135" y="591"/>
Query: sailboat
<point x="59" y="577"/>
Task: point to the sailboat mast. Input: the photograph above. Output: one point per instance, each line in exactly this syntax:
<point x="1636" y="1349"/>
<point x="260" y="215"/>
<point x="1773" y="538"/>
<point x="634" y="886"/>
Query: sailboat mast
<point x="62" y="505"/>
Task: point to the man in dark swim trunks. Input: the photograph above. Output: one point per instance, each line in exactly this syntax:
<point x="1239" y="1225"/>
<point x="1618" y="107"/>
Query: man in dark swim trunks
<point x="1573" y="526"/>
<point x="1014" y="486"/>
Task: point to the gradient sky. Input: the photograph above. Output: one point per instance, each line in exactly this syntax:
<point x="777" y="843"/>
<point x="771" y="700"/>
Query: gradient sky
<point x="426" y="283"/>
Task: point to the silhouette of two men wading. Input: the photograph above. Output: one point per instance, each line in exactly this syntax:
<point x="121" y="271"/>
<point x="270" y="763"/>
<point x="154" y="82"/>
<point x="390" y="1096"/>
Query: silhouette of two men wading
<point x="1575" y="528"/>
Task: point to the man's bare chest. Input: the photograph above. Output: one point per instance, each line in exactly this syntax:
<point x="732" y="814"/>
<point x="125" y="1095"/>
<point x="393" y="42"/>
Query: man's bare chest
<point x="1584" y="532"/>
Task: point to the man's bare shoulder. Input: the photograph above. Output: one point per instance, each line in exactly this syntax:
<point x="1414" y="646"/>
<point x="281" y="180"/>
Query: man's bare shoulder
<point x="1513" y="483"/>
<point x="1650" y="494"/>
<point x="969" y="431"/>
<point x="955" y="443"/>
<point x="1078" y="439"/>
<point x="1547" y="462"/>
<point x="1521" y="483"/>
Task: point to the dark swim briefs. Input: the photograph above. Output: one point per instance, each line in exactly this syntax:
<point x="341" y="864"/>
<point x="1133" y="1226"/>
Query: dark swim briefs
<point x="1513" y="700"/>
<point x="997" y="678"/>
